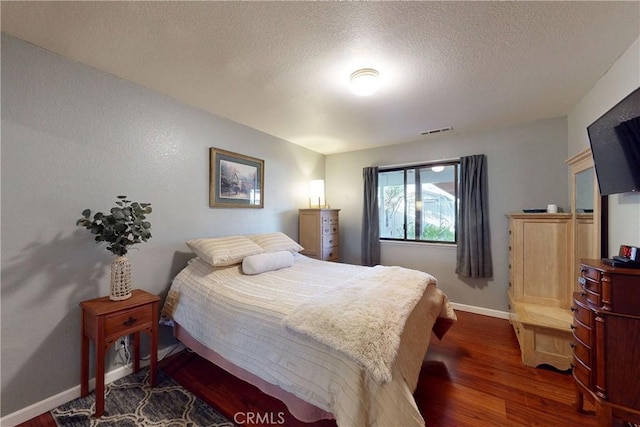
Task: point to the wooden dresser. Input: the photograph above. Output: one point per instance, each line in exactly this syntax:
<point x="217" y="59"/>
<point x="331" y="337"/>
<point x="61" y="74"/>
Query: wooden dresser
<point x="606" y="329"/>
<point x="540" y="287"/>
<point x="319" y="233"/>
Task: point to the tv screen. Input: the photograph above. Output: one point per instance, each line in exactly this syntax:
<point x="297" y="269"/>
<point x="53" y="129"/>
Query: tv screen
<point x="615" y="144"/>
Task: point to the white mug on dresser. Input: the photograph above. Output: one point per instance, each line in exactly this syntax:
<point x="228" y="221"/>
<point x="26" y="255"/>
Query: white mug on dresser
<point x="552" y="208"/>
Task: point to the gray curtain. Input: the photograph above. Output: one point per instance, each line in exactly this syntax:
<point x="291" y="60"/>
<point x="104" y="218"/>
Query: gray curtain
<point x="474" y="243"/>
<point x="370" y="219"/>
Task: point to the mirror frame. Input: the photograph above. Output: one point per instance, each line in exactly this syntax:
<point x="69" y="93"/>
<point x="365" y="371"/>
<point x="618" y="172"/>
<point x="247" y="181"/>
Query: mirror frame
<point x="579" y="163"/>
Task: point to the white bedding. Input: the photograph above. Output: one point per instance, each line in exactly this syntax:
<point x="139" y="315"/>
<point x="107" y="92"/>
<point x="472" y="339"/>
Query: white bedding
<point x="240" y="318"/>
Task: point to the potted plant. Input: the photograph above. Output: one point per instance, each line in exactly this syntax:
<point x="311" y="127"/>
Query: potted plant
<point x="122" y="228"/>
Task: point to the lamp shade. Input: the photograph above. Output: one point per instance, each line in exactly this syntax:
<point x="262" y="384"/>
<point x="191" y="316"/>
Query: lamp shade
<point x="316" y="193"/>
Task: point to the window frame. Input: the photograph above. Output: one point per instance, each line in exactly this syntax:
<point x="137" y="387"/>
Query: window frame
<point x="416" y="167"/>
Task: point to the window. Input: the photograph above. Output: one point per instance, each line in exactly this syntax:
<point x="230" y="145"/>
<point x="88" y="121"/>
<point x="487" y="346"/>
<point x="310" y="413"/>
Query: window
<point x="427" y="215"/>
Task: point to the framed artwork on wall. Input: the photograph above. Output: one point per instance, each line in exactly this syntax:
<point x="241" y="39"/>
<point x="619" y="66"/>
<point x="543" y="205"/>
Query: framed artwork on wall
<point x="235" y="180"/>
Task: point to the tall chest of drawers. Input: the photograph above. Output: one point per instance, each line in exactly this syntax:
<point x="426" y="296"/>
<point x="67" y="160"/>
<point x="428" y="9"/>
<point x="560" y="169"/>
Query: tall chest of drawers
<point x="319" y="233"/>
<point x="606" y="349"/>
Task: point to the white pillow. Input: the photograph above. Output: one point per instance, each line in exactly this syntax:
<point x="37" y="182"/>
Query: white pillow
<point x="222" y="251"/>
<point x="270" y="261"/>
<point x="275" y="242"/>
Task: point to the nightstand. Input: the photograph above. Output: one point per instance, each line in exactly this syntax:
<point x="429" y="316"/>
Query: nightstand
<point x="104" y="321"/>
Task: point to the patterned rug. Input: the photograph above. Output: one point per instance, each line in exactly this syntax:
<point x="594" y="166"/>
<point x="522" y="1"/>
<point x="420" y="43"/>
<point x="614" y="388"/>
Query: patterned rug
<point x="130" y="401"/>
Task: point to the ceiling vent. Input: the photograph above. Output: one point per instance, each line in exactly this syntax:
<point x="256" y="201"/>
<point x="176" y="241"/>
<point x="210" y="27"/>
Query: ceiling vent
<point x="432" y="131"/>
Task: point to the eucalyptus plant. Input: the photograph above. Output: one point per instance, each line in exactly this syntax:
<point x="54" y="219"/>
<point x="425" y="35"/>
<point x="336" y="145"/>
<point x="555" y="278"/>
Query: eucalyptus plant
<point x="123" y="227"/>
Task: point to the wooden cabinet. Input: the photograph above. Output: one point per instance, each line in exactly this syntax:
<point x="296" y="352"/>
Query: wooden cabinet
<point x="540" y="287"/>
<point x="319" y="233"/>
<point x="606" y="350"/>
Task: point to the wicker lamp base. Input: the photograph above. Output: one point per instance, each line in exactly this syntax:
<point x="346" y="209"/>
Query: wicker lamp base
<point x="120" y="279"/>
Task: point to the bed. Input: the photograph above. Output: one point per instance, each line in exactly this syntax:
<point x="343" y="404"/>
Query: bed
<point x="308" y="332"/>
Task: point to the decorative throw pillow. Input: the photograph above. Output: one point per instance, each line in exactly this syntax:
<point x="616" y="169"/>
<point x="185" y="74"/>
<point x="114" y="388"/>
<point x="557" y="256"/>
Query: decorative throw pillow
<point x="223" y="251"/>
<point x="270" y="261"/>
<point x="275" y="242"/>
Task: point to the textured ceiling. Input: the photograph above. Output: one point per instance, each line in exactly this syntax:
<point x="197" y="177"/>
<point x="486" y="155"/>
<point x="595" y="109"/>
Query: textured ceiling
<point x="283" y="67"/>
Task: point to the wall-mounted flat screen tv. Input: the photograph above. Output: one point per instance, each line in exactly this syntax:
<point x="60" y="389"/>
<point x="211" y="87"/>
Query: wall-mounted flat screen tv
<point x="615" y="144"/>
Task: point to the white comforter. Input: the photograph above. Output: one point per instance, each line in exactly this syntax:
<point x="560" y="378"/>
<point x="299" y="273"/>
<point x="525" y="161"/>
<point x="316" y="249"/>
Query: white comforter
<point x="240" y="317"/>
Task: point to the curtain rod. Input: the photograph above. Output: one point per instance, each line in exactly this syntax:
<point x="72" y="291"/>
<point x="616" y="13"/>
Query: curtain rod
<point x="402" y="165"/>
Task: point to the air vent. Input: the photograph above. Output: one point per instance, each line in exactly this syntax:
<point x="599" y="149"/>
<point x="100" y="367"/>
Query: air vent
<point x="432" y="131"/>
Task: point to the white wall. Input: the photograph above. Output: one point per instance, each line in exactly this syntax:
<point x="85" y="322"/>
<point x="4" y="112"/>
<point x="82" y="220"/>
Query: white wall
<point x="75" y="138"/>
<point x="620" y="80"/>
<point x="526" y="170"/>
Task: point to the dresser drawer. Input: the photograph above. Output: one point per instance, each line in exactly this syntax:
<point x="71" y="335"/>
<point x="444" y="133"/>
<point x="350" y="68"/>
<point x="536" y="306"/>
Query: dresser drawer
<point x="582" y="373"/>
<point x="119" y="323"/>
<point x="592" y="297"/>
<point x="591" y="285"/>
<point x="330" y="240"/>
<point x="582" y="332"/>
<point x="330" y="254"/>
<point x="329" y="219"/>
<point x="330" y="229"/>
<point x="590" y="273"/>
<point x="582" y="352"/>
<point x="581" y="313"/>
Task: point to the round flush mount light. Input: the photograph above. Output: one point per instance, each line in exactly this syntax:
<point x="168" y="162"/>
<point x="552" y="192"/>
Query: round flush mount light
<point x="365" y="81"/>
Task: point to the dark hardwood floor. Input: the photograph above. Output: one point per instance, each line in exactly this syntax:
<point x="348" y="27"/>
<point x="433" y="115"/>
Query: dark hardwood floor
<point x="473" y="377"/>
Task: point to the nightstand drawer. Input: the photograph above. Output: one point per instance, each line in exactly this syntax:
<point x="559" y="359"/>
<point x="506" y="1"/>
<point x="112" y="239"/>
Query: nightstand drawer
<point x="119" y="323"/>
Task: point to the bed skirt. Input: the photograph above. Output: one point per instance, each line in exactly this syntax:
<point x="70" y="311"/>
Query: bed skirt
<point x="300" y="409"/>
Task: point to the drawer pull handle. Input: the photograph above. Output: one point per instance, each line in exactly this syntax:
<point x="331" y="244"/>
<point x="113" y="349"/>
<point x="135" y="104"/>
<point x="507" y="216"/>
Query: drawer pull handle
<point x="572" y="345"/>
<point x="572" y="327"/>
<point x="573" y="308"/>
<point x="583" y="293"/>
<point x="130" y="321"/>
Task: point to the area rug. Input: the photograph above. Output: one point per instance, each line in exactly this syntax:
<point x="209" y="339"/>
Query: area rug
<point x="130" y="401"/>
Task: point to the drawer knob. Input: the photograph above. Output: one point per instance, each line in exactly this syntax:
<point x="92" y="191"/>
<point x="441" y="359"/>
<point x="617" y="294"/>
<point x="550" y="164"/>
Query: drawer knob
<point x="130" y="321"/>
<point x="572" y="327"/>
<point x="573" y="308"/>
<point x="572" y="345"/>
<point x="583" y="293"/>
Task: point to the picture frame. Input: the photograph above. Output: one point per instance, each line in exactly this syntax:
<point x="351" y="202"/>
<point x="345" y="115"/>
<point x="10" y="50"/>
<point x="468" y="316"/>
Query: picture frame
<point x="235" y="180"/>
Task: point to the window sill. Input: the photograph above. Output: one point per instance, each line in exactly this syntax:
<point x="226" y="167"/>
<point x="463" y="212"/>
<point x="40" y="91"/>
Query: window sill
<point x="410" y="243"/>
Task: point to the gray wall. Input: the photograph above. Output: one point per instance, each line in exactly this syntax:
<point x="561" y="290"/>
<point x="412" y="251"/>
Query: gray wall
<point x="526" y="170"/>
<point x="620" y="80"/>
<point x="75" y="138"/>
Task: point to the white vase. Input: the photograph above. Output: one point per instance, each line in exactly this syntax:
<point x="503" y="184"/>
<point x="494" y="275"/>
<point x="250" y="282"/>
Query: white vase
<point x="120" y="279"/>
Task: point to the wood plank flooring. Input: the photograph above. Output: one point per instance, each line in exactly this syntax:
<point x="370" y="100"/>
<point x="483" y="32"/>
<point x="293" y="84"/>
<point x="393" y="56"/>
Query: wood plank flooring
<point x="472" y="378"/>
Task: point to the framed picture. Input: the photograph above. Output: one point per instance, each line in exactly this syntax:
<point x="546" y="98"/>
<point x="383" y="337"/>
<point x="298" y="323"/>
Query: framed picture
<point x="235" y="180"/>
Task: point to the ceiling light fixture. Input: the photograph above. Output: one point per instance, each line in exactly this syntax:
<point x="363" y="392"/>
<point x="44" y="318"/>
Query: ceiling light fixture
<point x="365" y="81"/>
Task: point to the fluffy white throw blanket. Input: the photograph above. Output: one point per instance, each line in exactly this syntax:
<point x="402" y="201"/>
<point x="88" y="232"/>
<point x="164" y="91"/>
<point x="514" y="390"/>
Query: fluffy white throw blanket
<point x="365" y="316"/>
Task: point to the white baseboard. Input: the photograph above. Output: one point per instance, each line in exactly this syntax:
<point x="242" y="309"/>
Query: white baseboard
<point x="52" y="402"/>
<point x="481" y="310"/>
<point x="48" y="404"/>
